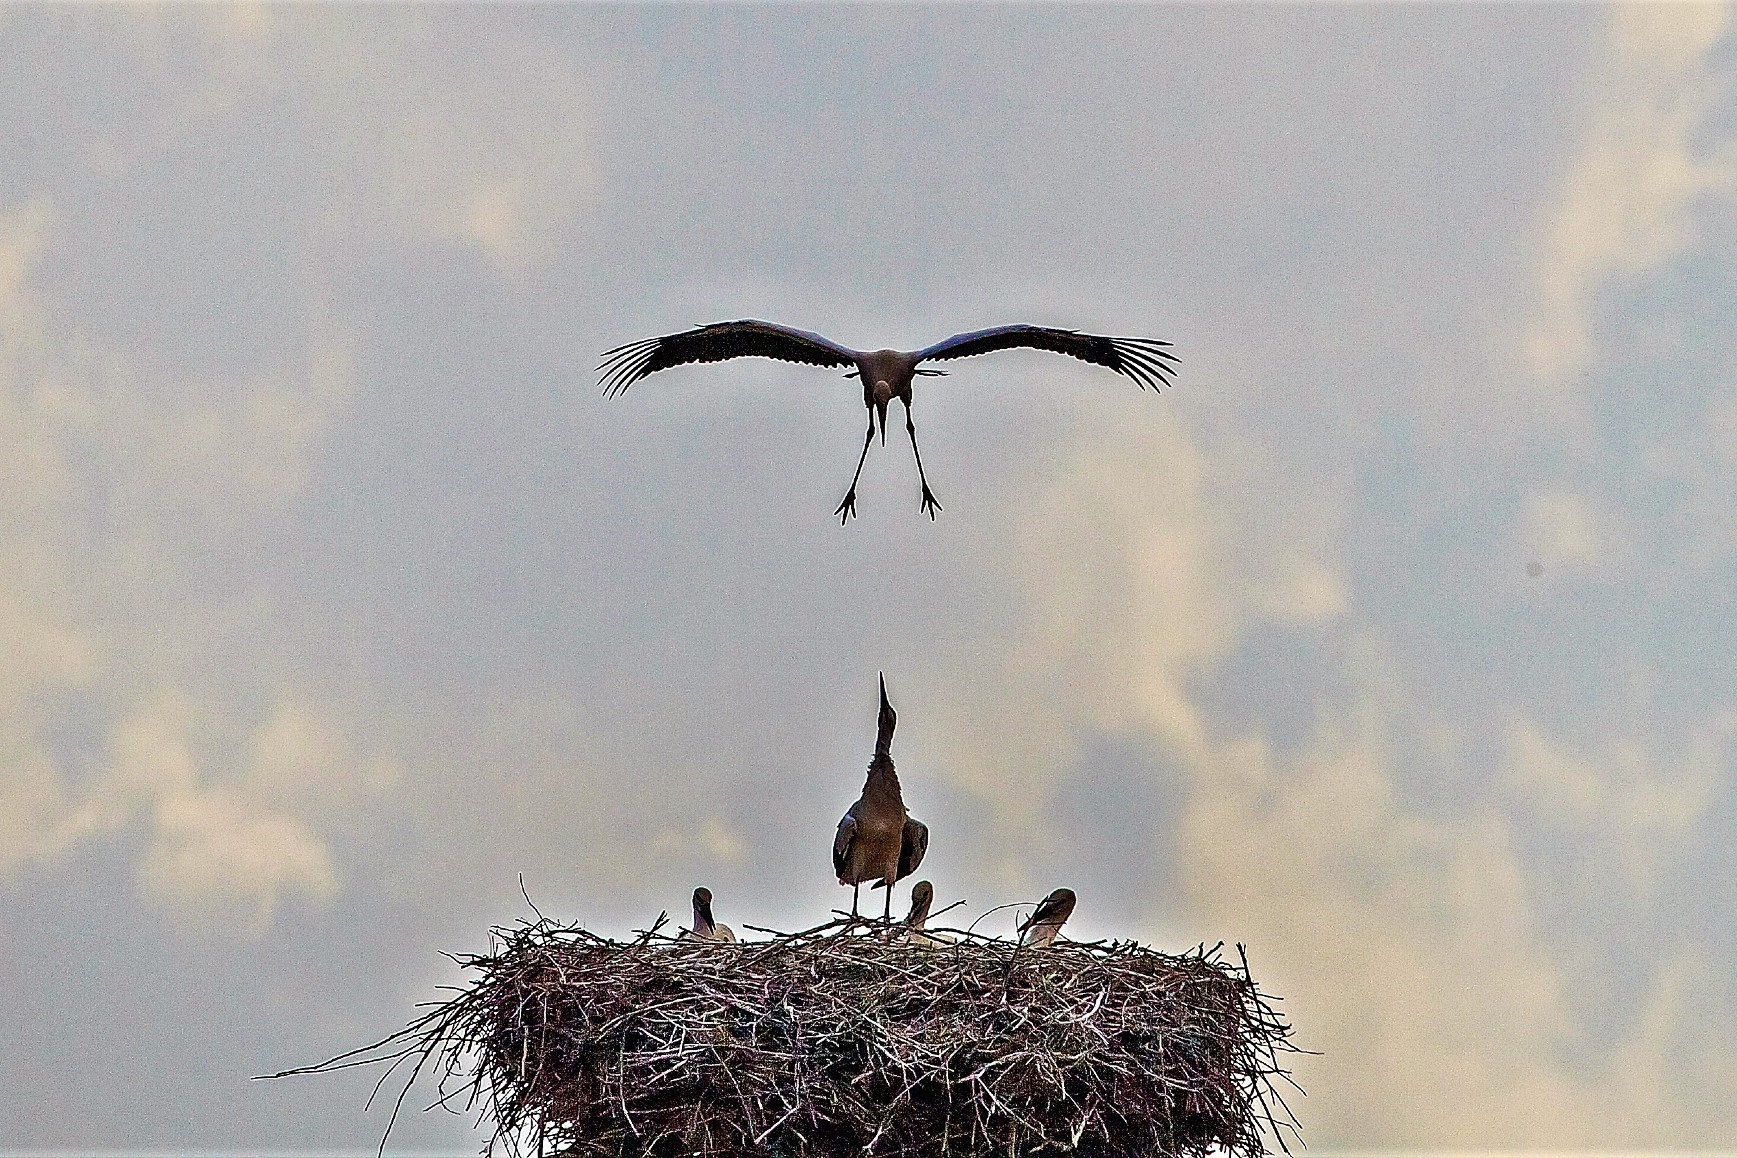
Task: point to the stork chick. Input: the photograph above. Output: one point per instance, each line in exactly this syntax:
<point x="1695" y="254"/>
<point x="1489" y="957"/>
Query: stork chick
<point x="1040" y="929"/>
<point x="705" y="928"/>
<point x="922" y="898"/>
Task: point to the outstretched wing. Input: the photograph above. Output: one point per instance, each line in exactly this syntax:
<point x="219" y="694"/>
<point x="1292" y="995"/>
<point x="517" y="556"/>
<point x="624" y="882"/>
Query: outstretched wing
<point x="625" y="365"/>
<point x="1146" y="360"/>
<point x="842" y="841"/>
<point x="913" y="844"/>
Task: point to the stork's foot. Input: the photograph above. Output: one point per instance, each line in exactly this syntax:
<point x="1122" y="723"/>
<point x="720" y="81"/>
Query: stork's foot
<point x="847" y="509"/>
<point x="930" y="506"/>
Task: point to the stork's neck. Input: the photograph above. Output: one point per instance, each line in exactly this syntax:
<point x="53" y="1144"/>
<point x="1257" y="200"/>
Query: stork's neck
<point x="883" y="779"/>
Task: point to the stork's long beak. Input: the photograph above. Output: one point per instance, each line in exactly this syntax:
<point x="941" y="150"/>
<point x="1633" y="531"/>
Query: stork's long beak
<point x="889" y="719"/>
<point x="881" y="409"/>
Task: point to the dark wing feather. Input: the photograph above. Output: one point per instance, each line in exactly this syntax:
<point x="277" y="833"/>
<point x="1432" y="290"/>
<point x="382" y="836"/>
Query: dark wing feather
<point x="1146" y="360"/>
<point x="842" y="840"/>
<point x="625" y="365"/>
<point x="912" y="846"/>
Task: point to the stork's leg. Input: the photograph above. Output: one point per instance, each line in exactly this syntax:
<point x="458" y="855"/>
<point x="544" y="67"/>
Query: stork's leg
<point x="854" y="889"/>
<point x="929" y="503"/>
<point x="887" y="914"/>
<point x="847" y="508"/>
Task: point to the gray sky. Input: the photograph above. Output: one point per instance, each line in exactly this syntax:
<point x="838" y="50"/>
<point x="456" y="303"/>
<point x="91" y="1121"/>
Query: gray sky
<point x="1395" y="642"/>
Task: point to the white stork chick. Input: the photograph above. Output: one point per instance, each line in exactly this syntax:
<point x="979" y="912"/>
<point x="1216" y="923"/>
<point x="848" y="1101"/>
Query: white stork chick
<point x="1040" y="929"/>
<point x="705" y="928"/>
<point x="922" y="899"/>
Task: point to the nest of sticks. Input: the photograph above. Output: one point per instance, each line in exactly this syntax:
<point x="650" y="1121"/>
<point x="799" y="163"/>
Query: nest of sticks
<point x="848" y="1039"/>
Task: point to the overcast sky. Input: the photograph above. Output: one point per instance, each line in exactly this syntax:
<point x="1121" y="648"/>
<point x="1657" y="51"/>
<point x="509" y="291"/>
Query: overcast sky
<point x="1396" y="642"/>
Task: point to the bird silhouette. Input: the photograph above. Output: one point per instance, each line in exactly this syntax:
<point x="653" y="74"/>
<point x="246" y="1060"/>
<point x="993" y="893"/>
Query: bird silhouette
<point x="885" y="374"/>
<point x="1040" y="929"/>
<point x="877" y="840"/>
<point x="705" y="928"/>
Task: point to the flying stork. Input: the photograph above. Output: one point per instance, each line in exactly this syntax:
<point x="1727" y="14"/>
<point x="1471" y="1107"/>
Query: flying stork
<point x="885" y="374"/>
<point x="877" y="840"/>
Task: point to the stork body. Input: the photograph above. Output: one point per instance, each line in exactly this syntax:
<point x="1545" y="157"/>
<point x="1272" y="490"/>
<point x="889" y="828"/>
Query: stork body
<point x="878" y="842"/>
<point x="885" y="374"/>
<point x="1040" y="929"/>
<point x="705" y="928"/>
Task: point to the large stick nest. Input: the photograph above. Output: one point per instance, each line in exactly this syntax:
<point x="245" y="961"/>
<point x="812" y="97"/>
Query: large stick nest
<point x="847" y="1040"/>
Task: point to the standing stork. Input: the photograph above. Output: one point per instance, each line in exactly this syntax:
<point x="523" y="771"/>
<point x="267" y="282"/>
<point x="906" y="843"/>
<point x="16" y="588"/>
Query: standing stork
<point x="878" y="840"/>
<point x="885" y="374"/>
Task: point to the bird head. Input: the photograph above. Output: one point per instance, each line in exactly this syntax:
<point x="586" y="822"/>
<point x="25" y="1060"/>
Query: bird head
<point x="922" y="897"/>
<point x="1053" y="909"/>
<point x="702" y="908"/>
<point x="889" y="719"/>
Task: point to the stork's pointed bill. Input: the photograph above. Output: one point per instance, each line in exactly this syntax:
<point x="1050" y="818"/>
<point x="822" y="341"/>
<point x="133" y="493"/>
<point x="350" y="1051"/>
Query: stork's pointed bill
<point x="889" y="719"/>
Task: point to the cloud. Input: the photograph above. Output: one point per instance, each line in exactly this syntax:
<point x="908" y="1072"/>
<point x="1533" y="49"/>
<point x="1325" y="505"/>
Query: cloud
<point x="332" y="136"/>
<point x="1404" y="938"/>
<point x="414" y="128"/>
<point x="216" y="842"/>
<point x="48" y="651"/>
<point x="1402" y="946"/>
<point x="22" y="231"/>
<point x="1638" y="810"/>
<point x="209" y="850"/>
<point x="1128" y="586"/>
<point x="1627" y="203"/>
<point x="1561" y="530"/>
<point x="210" y="846"/>
<point x="109" y="476"/>
<point x="442" y="148"/>
<point x="711" y="837"/>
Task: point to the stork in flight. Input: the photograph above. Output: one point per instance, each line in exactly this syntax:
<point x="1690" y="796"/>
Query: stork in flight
<point x="877" y="840"/>
<point x="885" y="374"/>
